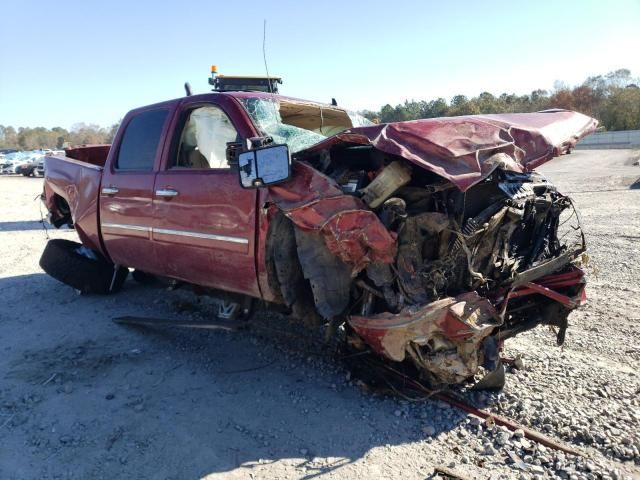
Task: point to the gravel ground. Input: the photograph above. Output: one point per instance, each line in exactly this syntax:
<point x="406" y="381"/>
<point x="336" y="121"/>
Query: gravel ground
<point x="82" y="397"/>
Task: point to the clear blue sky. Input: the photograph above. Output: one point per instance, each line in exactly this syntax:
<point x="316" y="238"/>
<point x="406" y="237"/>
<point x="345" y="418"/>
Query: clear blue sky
<point x="70" y="61"/>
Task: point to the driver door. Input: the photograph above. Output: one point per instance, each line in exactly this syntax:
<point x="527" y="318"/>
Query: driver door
<point x="204" y="223"/>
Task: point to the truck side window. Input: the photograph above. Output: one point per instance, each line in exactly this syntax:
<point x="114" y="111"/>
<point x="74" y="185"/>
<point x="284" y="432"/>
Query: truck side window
<point x="204" y="139"/>
<point x="140" y="141"/>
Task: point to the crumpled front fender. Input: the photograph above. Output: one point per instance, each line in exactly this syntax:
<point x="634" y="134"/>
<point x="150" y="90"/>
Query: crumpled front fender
<point x="351" y="231"/>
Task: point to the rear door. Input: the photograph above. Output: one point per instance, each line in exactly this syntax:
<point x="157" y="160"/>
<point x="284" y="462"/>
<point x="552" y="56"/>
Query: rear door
<point x="126" y="192"/>
<point x="204" y="222"/>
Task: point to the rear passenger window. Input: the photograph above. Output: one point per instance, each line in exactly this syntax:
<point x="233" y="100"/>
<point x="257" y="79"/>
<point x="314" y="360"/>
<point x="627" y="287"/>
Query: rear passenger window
<point x="140" y="141"/>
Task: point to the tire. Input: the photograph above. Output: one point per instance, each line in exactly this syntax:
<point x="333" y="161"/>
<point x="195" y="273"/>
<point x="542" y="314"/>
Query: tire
<point x="62" y="260"/>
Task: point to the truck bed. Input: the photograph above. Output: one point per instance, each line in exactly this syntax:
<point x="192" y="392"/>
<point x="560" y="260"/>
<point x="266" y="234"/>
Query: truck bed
<point x="93" y="154"/>
<point x="72" y="186"/>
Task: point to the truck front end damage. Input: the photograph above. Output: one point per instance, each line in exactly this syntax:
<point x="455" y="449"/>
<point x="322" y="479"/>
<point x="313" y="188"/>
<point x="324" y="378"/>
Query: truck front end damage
<point x="433" y="241"/>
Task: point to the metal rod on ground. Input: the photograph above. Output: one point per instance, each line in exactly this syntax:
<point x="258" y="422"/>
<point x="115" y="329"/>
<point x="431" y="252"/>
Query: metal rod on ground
<point x="510" y="424"/>
<point x="498" y="420"/>
<point x="161" y="322"/>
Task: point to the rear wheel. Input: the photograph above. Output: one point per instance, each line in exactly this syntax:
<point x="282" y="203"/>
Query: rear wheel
<point x="81" y="268"/>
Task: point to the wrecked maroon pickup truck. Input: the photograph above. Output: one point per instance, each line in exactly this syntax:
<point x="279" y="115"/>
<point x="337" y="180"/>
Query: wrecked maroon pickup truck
<point x="429" y="242"/>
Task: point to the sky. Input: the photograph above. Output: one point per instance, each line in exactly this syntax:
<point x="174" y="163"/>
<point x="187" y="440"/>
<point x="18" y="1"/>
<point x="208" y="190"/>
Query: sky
<point x="73" y="61"/>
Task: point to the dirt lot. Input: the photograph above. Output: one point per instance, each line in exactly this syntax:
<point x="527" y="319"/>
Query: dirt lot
<point x="82" y="397"/>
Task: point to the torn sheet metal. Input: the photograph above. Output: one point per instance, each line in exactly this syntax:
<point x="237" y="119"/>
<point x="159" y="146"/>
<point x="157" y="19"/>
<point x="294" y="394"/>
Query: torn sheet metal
<point x="425" y="246"/>
<point x="549" y="285"/>
<point x="443" y="337"/>
<point x="351" y="231"/>
<point x="466" y="149"/>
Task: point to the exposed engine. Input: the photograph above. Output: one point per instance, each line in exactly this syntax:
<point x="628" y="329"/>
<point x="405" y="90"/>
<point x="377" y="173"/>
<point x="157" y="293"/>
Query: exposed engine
<point x="468" y="251"/>
<point x="450" y="242"/>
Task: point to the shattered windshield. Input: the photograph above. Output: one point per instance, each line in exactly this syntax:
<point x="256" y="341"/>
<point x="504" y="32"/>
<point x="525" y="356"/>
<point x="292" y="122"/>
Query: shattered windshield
<point x="299" y="124"/>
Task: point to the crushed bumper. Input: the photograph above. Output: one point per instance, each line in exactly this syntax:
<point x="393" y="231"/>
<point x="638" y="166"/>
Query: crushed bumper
<point x="450" y="338"/>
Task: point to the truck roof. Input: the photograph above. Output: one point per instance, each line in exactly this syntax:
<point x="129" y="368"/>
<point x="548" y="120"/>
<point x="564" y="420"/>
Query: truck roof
<point x="242" y="95"/>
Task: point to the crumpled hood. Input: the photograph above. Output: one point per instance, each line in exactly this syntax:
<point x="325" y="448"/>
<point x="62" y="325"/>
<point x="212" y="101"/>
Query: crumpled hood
<point x="466" y="149"/>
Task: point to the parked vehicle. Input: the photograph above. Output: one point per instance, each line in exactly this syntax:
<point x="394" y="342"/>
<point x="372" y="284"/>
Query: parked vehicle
<point x="429" y="242"/>
<point x="39" y="170"/>
<point x="26" y="169"/>
<point x="21" y="163"/>
<point x="10" y="162"/>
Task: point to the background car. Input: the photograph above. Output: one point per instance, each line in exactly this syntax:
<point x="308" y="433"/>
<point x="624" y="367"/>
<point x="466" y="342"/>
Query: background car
<point x="24" y="163"/>
<point x="27" y="168"/>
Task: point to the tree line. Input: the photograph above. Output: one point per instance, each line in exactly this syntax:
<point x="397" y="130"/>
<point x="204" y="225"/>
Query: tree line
<point x="614" y="99"/>
<point x="26" y="138"/>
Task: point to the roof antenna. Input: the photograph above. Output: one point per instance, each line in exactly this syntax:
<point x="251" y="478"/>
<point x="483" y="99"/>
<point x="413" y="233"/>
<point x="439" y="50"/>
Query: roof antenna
<point x="264" y="52"/>
<point x="187" y="89"/>
<point x="266" y="68"/>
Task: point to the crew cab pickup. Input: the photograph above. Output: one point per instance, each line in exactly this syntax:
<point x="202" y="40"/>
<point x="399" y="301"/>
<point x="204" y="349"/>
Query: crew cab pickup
<point x="428" y="242"/>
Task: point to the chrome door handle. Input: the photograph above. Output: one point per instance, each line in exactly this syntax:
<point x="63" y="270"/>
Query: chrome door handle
<point x="109" y="190"/>
<point x="166" y="192"/>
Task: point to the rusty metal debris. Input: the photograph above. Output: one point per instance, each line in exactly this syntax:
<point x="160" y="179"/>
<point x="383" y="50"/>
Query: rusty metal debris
<point x="510" y="424"/>
<point x="447" y="474"/>
<point x="163" y="322"/>
<point x="419" y="391"/>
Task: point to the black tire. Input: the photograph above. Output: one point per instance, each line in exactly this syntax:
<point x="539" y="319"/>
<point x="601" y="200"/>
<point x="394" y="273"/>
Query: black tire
<point x="329" y="277"/>
<point x="62" y="260"/>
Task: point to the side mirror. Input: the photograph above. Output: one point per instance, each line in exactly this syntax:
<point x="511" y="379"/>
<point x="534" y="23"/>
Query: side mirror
<point x="232" y="152"/>
<point x="264" y="166"/>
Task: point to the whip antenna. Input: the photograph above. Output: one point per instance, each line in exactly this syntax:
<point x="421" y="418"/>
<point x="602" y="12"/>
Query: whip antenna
<point x="264" y="52"/>
<point x="266" y="68"/>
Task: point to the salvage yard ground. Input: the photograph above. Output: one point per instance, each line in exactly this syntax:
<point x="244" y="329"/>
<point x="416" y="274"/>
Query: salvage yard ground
<point x="82" y="397"/>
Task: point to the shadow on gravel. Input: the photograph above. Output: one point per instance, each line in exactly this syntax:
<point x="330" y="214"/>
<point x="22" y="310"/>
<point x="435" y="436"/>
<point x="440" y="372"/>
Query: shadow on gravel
<point x="266" y="401"/>
<point x="185" y="403"/>
<point x="21" y="226"/>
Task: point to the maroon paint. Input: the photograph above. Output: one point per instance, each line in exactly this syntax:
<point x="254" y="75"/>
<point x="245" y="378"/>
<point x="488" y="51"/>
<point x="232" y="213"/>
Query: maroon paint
<point x="93" y="154"/>
<point x="132" y="204"/>
<point x="79" y="184"/>
<point x="212" y="202"/>
<point x="313" y="201"/>
<point x="459" y="148"/>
